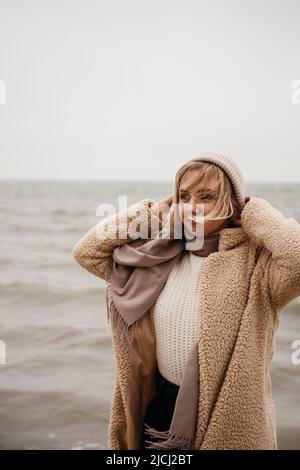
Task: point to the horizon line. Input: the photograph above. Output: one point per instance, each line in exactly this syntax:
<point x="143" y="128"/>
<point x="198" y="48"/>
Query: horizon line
<point x="96" y="180"/>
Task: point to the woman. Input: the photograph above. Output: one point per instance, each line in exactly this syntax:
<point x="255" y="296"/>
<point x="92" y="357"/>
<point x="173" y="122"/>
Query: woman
<point x="193" y="326"/>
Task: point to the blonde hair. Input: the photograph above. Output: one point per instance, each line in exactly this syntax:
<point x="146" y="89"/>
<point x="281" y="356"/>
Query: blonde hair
<point x="212" y="177"/>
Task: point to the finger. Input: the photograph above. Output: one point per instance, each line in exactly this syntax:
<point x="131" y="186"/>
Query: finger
<point x="170" y="199"/>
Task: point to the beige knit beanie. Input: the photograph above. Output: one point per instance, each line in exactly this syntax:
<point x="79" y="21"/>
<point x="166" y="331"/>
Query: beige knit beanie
<point x="230" y="167"/>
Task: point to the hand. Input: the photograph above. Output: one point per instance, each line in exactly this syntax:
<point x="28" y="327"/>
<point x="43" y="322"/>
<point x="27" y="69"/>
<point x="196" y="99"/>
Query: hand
<point x="157" y="207"/>
<point x="239" y="222"/>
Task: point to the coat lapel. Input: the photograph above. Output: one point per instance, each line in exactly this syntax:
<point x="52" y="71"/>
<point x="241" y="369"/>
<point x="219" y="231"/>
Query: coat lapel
<point x="220" y="316"/>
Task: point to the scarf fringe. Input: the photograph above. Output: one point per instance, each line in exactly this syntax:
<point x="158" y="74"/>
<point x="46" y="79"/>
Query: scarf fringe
<point x="168" y="441"/>
<point x="122" y="330"/>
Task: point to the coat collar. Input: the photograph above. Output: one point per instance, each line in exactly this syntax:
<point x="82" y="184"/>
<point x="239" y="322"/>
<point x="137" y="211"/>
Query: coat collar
<point x="231" y="237"/>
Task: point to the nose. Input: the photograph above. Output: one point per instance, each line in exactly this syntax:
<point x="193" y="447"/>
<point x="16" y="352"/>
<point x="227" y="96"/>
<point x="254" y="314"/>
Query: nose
<point x="194" y="202"/>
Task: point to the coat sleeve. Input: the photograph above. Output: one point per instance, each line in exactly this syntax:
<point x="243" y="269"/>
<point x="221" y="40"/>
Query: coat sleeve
<point x="281" y="237"/>
<point x="94" y="250"/>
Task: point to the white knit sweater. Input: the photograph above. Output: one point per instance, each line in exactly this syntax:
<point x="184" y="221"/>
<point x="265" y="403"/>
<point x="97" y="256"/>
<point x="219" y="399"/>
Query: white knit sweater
<point x="176" y="314"/>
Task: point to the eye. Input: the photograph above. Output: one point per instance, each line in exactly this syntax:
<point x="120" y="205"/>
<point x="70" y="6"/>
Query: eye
<point x="204" y="197"/>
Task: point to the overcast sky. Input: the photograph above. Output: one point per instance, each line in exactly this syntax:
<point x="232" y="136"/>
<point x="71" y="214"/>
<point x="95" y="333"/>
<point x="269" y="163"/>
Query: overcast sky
<point x="131" y="89"/>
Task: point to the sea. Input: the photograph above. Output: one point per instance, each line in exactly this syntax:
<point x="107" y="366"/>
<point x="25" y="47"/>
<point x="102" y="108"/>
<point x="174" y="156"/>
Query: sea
<point x="57" y="368"/>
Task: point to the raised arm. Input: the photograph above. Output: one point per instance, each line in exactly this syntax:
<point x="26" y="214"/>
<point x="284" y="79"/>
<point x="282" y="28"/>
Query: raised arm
<point x="280" y="235"/>
<point x="94" y="250"/>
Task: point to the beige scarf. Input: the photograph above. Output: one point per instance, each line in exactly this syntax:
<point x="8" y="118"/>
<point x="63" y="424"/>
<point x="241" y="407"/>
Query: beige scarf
<point x="137" y="276"/>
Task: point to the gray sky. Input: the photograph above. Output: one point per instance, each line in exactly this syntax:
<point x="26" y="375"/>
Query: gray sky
<point x="132" y="89"/>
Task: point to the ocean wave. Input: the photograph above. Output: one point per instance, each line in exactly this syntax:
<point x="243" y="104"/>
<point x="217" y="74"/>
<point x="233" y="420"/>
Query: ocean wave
<point x="70" y="212"/>
<point x="34" y="285"/>
<point x="45" y="228"/>
<point x="36" y="289"/>
<point x="39" y="211"/>
<point x="89" y="336"/>
<point x="83" y="404"/>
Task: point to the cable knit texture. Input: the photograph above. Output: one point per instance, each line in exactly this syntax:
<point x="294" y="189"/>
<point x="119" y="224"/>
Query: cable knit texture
<point x="176" y="315"/>
<point x="244" y="287"/>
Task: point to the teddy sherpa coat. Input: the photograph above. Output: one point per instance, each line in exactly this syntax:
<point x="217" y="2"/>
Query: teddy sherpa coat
<point x="244" y="286"/>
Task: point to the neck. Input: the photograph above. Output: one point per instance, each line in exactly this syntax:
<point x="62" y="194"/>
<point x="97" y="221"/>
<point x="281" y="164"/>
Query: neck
<point x="209" y="245"/>
<point x="210" y="242"/>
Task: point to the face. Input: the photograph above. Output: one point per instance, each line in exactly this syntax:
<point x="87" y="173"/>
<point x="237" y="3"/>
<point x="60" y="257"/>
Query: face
<point x="198" y="196"/>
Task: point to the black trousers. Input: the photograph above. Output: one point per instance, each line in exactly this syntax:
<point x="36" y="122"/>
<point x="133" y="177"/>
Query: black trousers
<point x="160" y="410"/>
